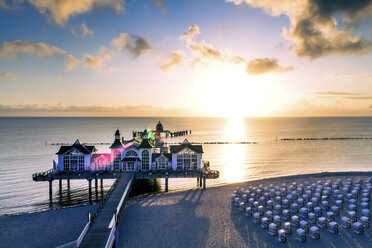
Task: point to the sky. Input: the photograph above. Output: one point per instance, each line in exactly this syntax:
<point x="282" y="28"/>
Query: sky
<point x="247" y="58"/>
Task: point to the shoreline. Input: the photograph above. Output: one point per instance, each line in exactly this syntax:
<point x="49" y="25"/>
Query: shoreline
<point x="323" y="174"/>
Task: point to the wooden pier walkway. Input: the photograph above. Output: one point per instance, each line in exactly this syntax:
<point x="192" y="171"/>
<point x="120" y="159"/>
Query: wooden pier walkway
<point x="99" y="232"/>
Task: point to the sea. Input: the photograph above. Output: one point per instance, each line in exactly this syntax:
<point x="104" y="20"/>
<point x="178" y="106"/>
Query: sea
<point x="271" y="147"/>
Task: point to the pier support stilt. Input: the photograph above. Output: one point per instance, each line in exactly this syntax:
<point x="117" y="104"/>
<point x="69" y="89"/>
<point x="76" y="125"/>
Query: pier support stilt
<point x="200" y="181"/>
<point x="166" y="184"/>
<point x="204" y="182"/>
<point x="90" y="188"/>
<point x="96" y="183"/>
<point x="60" y="186"/>
<point x="101" y="184"/>
<point x="68" y="184"/>
<point x="50" y="189"/>
<point x="197" y="182"/>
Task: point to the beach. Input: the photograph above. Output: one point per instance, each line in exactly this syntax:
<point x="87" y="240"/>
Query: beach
<point x="207" y="218"/>
<point x="50" y="228"/>
<point x="190" y="218"/>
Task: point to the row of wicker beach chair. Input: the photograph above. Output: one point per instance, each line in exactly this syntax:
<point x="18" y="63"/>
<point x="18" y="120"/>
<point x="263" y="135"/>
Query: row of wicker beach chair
<point x="306" y="207"/>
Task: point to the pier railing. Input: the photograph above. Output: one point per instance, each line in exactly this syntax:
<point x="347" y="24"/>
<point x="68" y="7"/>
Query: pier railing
<point x="91" y="218"/>
<point x="116" y="217"/>
<point x="42" y="174"/>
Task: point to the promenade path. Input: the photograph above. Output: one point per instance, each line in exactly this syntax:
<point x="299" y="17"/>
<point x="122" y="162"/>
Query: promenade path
<point x="99" y="232"/>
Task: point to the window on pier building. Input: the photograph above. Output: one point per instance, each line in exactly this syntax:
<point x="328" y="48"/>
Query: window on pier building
<point x="131" y="153"/>
<point x="66" y="163"/>
<point x="187" y="159"/>
<point x="162" y="163"/>
<point x="179" y="162"/>
<point x="194" y="162"/>
<point x="81" y="163"/>
<point x="117" y="160"/>
<point x="145" y="160"/>
<point x="73" y="162"/>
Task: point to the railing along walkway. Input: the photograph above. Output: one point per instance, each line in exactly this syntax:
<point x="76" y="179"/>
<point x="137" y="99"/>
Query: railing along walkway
<point x="99" y="232"/>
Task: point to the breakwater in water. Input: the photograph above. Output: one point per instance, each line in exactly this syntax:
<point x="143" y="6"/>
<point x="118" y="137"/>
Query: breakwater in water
<point x="329" y="138"/>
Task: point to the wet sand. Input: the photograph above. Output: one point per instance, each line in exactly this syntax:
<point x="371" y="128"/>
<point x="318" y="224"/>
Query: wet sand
<point x="206" y="218"/>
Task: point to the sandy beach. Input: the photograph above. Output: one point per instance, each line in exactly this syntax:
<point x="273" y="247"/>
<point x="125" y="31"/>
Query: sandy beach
<point x="206" y="218"/>
<point x="191" y="218"/>
<point x="43" y="229"/>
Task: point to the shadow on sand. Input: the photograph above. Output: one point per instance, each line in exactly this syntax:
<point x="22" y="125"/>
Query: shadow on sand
<point x="154" y="221"/>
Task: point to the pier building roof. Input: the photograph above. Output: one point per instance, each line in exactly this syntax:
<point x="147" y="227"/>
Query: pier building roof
<point x="178" y="148"/>
<point x="146" y="144"/>
<point x="117" y="144"/>
<point x="78" y="146"/>
<point x="159" y="127"/>
<point x="156" y="155"/>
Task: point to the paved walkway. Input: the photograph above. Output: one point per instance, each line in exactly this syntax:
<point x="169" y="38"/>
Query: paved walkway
<point x="99" y="232"/>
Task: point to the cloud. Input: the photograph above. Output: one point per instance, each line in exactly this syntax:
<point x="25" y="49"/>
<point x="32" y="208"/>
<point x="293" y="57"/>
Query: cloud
<point x="352" y="77"/>
<point x="95" y="62"/>
<point x="175" y="58"/>
<point x="74" y="110"/>
<point x="161" y="4"/>
<point x="85" y="30"/>
<point x="13" y="49"/>
<point x="10" y="4"/>
<point x="344" y="95"/>
<point x="265" y="65"/>
<point x="6" y="75"/>
<point x="71" y="62"/>
<point x="335" y="93"/>
<point x="135" y="45"/>
<point x="190" y="33"/>
<point x="314" y="29"/>
<point x="60" y="10"/>
<point x="206" y="53"/>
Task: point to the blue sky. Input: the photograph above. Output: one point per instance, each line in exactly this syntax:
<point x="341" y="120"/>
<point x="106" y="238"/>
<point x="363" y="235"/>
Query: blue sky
<point x="236" y="57"/>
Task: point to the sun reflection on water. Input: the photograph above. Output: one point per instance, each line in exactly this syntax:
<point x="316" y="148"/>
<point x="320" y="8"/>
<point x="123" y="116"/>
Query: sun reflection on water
<point x="234" y="153"/>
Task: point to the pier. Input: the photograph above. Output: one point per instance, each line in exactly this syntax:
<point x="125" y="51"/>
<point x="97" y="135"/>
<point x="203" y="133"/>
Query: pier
<point x="101" y="229"/>
<point x="127" y="160"/>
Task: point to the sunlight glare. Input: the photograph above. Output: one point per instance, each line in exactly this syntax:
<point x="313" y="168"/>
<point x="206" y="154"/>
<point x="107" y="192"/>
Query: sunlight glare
<point x="234" y="132"/>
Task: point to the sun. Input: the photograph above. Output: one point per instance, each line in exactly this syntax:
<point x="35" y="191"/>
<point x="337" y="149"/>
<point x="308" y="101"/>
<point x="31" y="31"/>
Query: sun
<point x="228" y="91"/>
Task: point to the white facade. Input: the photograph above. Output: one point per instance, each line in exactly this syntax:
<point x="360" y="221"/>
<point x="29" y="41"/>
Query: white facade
<point x="136" y="157"/>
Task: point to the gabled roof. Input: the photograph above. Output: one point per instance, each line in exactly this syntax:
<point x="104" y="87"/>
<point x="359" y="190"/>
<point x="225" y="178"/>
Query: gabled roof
<point x="178" y="148"/>
<point x="78" y="146"/>
<point x="117" y="144"/>
<point x="146" y="144"/>
<point x="157" y="155"/>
